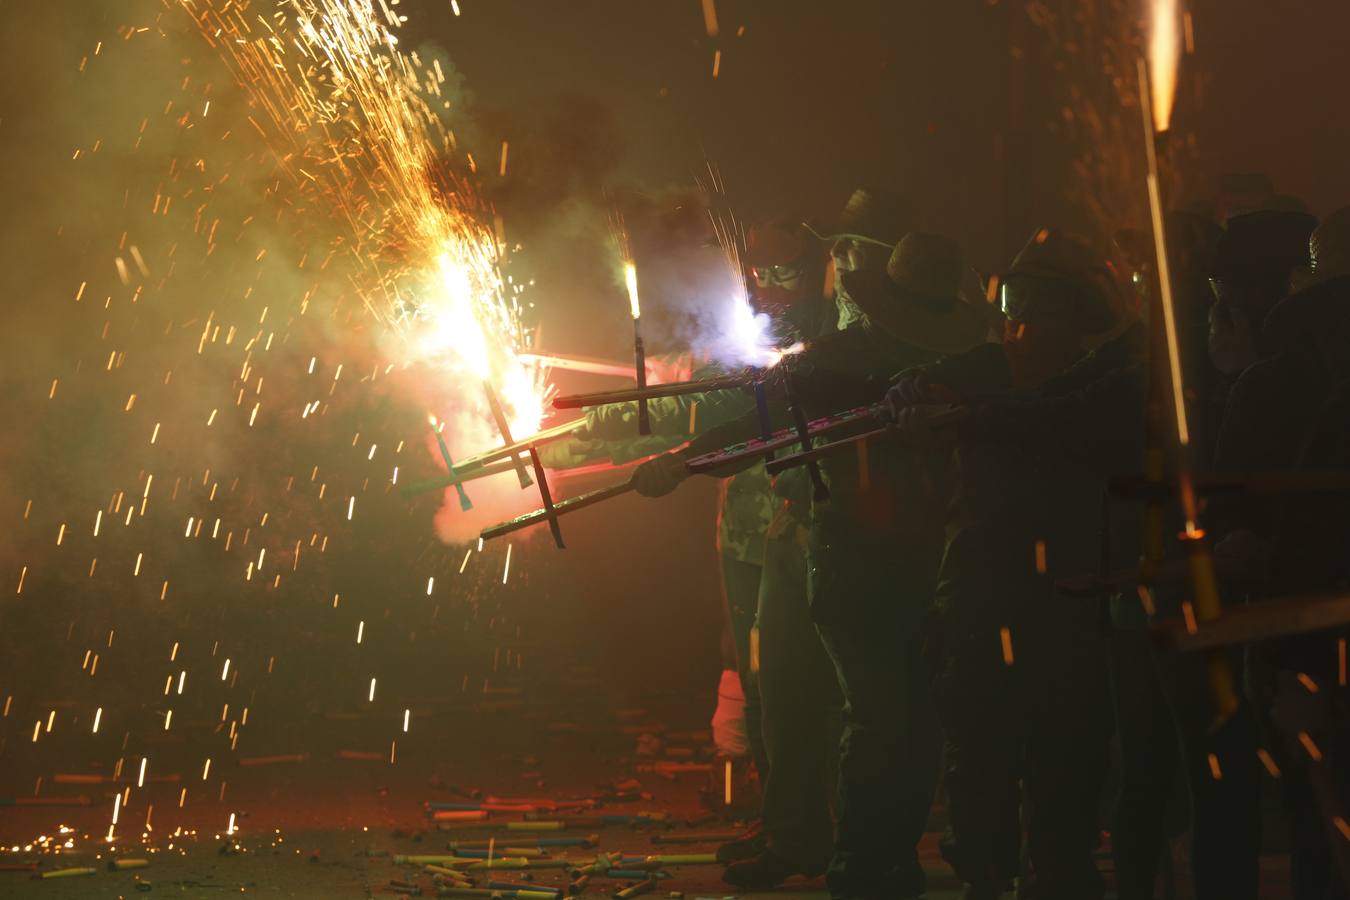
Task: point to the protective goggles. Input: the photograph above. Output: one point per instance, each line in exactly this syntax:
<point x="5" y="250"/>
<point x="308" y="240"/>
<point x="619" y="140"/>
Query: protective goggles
<point x="776" y="276"/>
<point x="1031" y="298"/>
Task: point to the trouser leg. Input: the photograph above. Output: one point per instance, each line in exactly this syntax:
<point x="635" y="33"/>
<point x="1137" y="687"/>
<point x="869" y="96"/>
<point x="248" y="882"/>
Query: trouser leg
<point x="1067" y="738"/>
<point x="800" y="712"/>
<point x="741" y="588"/>
<point x="1226" y="811"/>
<point x="1149" y="764"/>
<point x="984" y="735"/>
<point x="889" y="752"/>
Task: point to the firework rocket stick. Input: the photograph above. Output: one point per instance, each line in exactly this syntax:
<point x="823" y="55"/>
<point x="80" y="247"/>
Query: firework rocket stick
<point x="552" y="512"/>
<point x="412" y="489"/>
<point x="821" y="492"/>
<point x="573" y="363"/>
<point x="499" y="416"/>
<point x="785" y="437"/>
<point x="807" y="457"/>
<point x="465" y="503"/>
<point x="493" y="462"/>
<point x="1204" y="580"/>
<point x="547" y="497"/>
<point x="653" y="392"/>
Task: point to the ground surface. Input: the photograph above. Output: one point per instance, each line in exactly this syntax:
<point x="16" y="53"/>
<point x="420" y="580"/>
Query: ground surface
<point x="329" y="825"/>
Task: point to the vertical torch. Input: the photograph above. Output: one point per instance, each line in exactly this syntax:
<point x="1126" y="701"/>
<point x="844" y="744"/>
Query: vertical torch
<point x="639" y="351"/>
<point x="1157" y="86"/>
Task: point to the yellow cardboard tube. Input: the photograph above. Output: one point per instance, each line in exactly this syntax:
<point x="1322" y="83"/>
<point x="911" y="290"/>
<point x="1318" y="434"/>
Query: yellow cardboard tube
<point x="547" y="825"/>
<point x="70" y="873"/>
<point x="440" y="859"/>
<point x="682" y="859"/>
<point x="486" y="892"/>
<point x="118" y="864"/>
<point x="635" y="890"/>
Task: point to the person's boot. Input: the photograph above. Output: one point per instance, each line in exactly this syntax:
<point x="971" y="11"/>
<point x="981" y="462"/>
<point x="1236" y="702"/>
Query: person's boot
<point x="767" y="870"/>
<point x="747" y="846"/>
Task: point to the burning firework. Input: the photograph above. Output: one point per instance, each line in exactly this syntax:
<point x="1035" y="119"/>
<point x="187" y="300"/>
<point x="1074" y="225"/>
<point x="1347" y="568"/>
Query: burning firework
<point x="1164" y="57"/>
<point x="741" y="336"/>
<point x="358" y="127"/>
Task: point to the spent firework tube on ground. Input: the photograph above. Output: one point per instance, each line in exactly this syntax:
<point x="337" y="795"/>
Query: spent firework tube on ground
<point x="534" y="843"/>
<point x="512" y="886"/>
<point x="706" y="837"/>
<point x="636" y="890"/>
<point x="532" y="894"/>
<point x="72" y="872"/>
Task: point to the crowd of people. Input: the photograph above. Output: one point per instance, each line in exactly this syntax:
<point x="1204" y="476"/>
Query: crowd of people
<point x="964" y="602"/>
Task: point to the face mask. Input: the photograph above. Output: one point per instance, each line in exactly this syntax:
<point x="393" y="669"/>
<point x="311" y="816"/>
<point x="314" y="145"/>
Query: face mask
<point x="1232" y="340"/>
<point x="849" y="313"/>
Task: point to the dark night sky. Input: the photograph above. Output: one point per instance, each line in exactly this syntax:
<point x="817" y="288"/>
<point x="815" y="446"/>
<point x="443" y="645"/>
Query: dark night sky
<point x="914" y="95"/>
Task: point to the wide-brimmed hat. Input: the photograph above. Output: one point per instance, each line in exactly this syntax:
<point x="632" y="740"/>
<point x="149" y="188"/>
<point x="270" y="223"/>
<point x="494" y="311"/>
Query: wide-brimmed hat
<point x="870" y="215"/>
<point x="774" y="243"/>
<point x="1266" y="243"/>
<point x="917" y="297"/>
<point x="1059" y="274"/>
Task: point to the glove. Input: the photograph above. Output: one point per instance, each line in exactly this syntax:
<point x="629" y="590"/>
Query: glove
<point x="914" y="390"/>
<point x="660" y="475"/>
<point x="612" y="422"/>
<point x="916" y="424"/>
<point x="569" y="453"/>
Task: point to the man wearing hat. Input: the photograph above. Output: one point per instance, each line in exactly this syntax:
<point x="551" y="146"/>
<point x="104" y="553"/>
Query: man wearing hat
<point x="1022" y="680"/>
<point x="1257" y="254"/>
<point x="1291" y="412"/>
<point x="798" y="690"/>
<point x="873" y="549"/>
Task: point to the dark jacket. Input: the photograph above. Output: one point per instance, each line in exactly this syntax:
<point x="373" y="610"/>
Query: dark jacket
<point x="1030" y="471"/>
<point x="1291" y="412"/>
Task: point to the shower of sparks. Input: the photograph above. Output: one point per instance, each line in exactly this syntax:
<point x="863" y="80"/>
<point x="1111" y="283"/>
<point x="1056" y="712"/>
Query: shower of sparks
<point x="1164" y="57"/>
<point x="357" y="125"/>
<point x="745" y="337"/>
